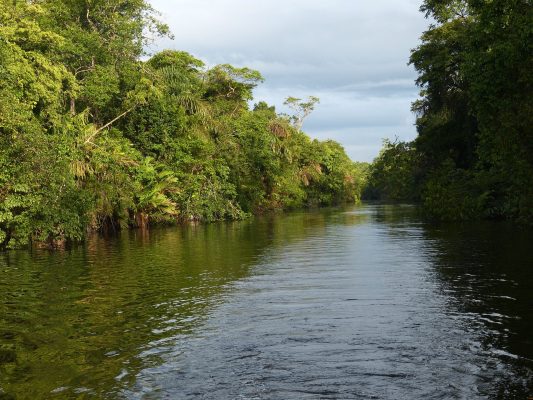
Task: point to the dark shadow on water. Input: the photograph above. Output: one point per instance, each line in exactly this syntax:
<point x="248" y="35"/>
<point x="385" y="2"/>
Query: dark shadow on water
<point x="486" y="270"/>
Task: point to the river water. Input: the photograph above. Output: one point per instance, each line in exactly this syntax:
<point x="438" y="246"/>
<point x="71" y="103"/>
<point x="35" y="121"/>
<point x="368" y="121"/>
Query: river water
<point x="369" y="302"/>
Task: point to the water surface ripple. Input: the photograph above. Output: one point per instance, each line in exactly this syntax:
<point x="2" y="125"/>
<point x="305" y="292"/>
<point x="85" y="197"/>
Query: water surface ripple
<point x="363" y="303"/>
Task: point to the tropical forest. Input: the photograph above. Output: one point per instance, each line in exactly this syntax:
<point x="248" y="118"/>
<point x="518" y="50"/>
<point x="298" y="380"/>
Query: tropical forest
<point x="94" y="137"/>
<point x="172" y="227"/>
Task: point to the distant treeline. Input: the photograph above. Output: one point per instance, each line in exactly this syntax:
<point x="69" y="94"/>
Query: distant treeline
<point x="473" y="157"/>
<point x="93" y="138"/>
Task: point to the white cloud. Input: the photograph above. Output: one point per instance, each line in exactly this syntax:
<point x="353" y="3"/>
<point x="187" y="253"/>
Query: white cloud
<point x="352" y="54"/>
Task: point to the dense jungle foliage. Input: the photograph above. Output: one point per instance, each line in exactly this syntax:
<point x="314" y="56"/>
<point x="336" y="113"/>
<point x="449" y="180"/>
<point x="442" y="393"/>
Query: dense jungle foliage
<point x="93" y="138"/>
<point x="473" y="157"/>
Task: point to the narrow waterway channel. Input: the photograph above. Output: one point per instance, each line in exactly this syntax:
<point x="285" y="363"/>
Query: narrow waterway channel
<point x="367" y="302"/>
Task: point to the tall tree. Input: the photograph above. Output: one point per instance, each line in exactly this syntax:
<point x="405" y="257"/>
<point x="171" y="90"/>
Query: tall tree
<point x="302" y="109"/>
<point x="103" y="42"/>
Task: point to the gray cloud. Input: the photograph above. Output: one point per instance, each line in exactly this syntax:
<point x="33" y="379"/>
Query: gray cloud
<point x="352" y="54"/>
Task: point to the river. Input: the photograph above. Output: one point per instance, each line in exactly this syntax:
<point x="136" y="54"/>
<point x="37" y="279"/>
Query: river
<point x="369" y="302"/>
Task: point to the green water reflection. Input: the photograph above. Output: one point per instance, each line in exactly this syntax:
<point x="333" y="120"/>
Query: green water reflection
<point x="75" y="322"/>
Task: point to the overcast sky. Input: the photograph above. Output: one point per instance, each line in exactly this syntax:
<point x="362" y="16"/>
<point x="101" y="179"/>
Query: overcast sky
<point x="352" y="54"/>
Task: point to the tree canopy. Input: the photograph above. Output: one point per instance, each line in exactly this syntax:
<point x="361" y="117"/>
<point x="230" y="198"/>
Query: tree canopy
<point x="94" y="138"/>
<point x="473" y="156"/>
